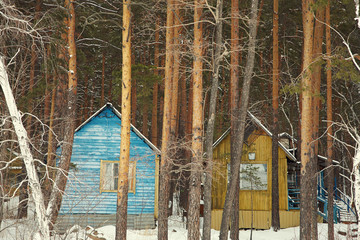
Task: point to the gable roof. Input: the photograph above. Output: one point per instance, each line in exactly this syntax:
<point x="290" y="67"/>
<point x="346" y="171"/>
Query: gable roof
<point x="259" y="124"/>
<point x="118" y="114"/>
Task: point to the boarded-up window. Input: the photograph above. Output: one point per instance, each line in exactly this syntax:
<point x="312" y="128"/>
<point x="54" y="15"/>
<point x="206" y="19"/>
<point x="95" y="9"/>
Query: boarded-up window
<point x="109" y="176"/>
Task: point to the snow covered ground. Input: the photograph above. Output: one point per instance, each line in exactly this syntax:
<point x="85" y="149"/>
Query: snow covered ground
<point x="23" y="230"/>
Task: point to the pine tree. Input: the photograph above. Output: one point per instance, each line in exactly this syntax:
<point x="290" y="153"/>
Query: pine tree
<point x="123" y="184"/>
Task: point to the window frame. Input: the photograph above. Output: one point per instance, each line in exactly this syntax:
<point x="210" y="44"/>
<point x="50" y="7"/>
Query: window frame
<point x="132" y="171"/>
<point x="262" y="188"/>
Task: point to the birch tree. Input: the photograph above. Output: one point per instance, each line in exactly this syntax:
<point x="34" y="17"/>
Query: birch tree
<point x="29" y="162"/>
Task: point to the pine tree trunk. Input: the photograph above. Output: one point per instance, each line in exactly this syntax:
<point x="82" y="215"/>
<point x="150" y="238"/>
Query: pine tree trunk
<point x="70" y="121"/>
<point x="86" y="98"/>
<point x="165" y="153"/>
<point x="123" y="184"/>
<point x="197" y="121"/>
<point x="154" y="114"/>
<point x="234" y="107"/>
<point x="330" y="171"/>
<point x="175" y="78"/>
<point x="189" y="117"/>
<point x="182" y="135"/>
<point x="275" y="218"/>
<point x="103" y="79"/>
<point x="211" y="122"/>
<point x="241" y="114"/>
<point x="50" y="153"/>
<point x="307" y="181"/>
<point x="145" y="129"/>
<point x="316" y="79"/>
<point x="133" y="95"/>
<point x="47" y="93"/>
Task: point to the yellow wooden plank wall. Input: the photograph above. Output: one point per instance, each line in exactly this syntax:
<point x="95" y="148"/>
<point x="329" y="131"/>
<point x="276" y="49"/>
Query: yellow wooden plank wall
<point x="260" y="143"/>
<point x="261" y="219"/>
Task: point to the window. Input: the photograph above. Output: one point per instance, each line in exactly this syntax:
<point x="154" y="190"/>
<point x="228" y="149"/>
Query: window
<point x="253" y="176"/>
<point x="251" y="156"/>
<point x="109" y="176"/>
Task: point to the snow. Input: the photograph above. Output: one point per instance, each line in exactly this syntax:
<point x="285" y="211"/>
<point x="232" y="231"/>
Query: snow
<point x="23" y="229"/>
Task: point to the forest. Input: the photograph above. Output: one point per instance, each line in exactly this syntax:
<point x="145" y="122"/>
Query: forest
<point x="189" y="87"/>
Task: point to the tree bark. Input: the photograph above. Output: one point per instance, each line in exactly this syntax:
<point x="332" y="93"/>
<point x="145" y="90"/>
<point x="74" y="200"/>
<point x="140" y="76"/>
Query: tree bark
<point x="154" y="117"/>
<point x="165" y="154"/>
<point x="316" y="79"/>
<point x="103" y="79"/>
<point x="307" y="180"/>
<point x="123" y="184"/>
<point x="234" y="107"/>
<point x="34" y="184"/>
<point x="197" y="128"/>
<point x="50" y="153"/>
<point x="275" y="218"/>
<point x="86" y="98"/>
<point x="175" y="78"/>
<point x="234" y="175"/>
<point x="145" y="129"/>
<point x="211" y="122"/>
<point x="70" y="121"/>
<point x="329" y="139"/>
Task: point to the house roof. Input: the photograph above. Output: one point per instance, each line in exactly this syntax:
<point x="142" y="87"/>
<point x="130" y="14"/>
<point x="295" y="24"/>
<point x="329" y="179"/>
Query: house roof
<point x="259" y="124"/>
<point x="118" y="114"/>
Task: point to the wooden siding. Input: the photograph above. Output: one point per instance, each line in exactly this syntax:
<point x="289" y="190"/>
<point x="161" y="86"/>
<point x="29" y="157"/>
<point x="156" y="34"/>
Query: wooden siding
<point x="141" y="221"/>
<point x="99" y="139"/>
<point x="261" y="219"/>
<point x="260" y="143"/>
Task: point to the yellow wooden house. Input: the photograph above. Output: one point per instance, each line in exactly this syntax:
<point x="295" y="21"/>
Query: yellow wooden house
<point x="255" y="178"/>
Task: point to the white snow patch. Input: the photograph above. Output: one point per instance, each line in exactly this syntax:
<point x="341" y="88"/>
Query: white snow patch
<point x="23" y="229"/>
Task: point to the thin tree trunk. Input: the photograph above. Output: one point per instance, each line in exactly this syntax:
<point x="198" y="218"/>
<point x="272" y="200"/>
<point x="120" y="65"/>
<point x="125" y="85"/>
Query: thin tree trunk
<point x="145" y="129"/>
<point x="189" y="117"/>
<point x="234" y="107"/>
<point x="34" y="184"/>
<point x="110" y="90"/>
<point x="86" y="98"/>
<point x="103" y="79"/>
<point x="47" y="93"/>
<point x="275" y="218"/>
<point x="50" y="154"/>
<point x="235" y="171"/>
<point x="330" y="172"/>
<point x="316" y="79"/>
<point x="196" y="144"/>
<point x="133" y="92"/>
<point x="165" y="154"/>
<point x="175" y="78"/>
<point x="211" y="122"/>
<point x="154" y="115"/>
<point x="307" y="180"/>
<point x="175" y="96"/>
<point x="70" y="121"/>
<point x="123" y="184"/>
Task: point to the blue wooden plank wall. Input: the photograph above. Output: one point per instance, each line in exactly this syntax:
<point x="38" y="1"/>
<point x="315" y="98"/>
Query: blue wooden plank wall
<point x="97" y="140"/>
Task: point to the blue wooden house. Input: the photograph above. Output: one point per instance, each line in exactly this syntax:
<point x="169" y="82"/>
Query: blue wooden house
<point x="90" y="196"/>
